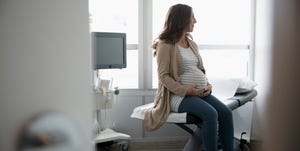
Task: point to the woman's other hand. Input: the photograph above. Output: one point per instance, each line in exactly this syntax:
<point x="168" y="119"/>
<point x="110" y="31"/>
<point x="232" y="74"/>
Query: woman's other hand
<point x="207" y="90"/>
<point x="193" y="90"/>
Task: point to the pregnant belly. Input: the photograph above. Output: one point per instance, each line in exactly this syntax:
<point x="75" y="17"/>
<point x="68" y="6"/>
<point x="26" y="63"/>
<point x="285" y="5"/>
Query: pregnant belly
<point x="194" y="78"/>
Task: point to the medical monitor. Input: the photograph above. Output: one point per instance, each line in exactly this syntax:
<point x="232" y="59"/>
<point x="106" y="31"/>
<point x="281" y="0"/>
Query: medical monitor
<point x="109" y="50"/>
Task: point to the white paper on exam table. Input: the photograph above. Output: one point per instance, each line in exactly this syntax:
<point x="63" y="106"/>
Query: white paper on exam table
<point x="223" y="88"/>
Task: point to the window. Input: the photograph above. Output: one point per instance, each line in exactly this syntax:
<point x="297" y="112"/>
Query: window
<point x="223" y="33"/>
<point x="106" y="16"/>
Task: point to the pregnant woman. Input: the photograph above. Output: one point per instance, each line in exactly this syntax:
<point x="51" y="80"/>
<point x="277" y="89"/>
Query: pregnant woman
<point x="183" y="85"/>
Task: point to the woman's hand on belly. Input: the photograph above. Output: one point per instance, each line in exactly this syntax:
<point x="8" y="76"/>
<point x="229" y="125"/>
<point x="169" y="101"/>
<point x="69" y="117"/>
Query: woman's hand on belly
<point x="193" y="90"/>
<point x="207" y="90"/>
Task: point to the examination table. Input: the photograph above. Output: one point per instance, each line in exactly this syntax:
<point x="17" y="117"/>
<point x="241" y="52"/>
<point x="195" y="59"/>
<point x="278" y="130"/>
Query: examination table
<point x="183" y="119"/>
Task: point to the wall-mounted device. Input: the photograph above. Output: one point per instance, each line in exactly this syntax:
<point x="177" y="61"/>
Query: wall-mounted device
<point x="109" y="50"/>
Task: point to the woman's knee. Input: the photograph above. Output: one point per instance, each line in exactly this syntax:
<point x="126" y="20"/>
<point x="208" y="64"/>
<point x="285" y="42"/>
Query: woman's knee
<point x="211" y="115"/>
<point x="226" y="114"/>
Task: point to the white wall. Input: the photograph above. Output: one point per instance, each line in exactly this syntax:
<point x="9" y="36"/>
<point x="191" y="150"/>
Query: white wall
<point x="263" y="56"/>
<point x="44" y="64"/>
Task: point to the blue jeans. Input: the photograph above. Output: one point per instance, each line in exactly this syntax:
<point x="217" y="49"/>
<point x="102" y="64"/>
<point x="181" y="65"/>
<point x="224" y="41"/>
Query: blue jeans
<point x="216" y="117"/>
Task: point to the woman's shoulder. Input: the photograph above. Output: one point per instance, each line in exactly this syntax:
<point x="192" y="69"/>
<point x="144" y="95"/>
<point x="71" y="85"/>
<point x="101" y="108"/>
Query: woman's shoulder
<point x="164" y="44"/>
<point x="164" y="48"/>
<point x="160" y="46"/>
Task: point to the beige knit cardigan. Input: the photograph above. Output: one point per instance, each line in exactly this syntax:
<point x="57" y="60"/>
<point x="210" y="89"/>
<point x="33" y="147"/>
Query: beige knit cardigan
<point x="169" y="70"/>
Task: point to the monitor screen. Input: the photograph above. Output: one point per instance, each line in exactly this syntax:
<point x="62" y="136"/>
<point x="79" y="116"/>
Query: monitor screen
<point x="109" y="50"/>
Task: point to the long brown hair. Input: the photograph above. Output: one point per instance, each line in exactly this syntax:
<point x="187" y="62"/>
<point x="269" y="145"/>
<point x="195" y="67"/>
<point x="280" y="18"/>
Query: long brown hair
<point x="177" y="19"/>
